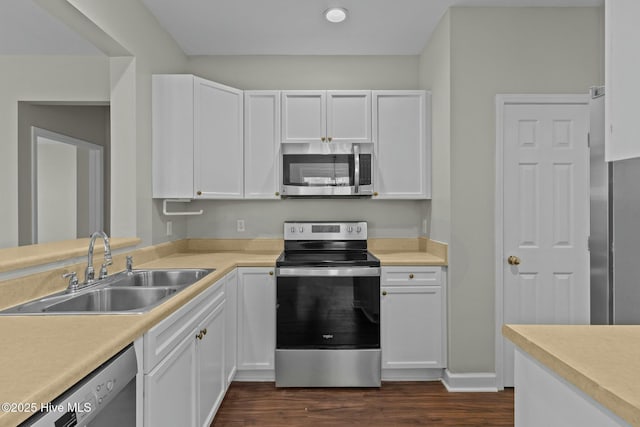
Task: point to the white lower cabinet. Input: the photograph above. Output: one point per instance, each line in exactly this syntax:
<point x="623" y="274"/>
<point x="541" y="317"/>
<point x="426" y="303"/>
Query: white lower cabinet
<point x="256" y="323"/>
<point x="211" y="378"/>
<point x="231" y="326"/>
<point x="413" y="322"/>
<point x="183" y="363"/>
<point x="170" y="388"/>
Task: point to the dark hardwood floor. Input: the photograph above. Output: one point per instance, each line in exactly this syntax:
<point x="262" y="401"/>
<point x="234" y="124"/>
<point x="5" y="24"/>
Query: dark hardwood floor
<point x="394" y="404"/>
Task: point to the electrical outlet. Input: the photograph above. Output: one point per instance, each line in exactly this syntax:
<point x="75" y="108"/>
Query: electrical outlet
<point x="169" y="228"/>
<point x="424" y="226"/>
<point x="240" y="225"/>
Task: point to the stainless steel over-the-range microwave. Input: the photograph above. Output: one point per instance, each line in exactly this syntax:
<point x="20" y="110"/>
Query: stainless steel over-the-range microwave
<point x="327" y="170"/>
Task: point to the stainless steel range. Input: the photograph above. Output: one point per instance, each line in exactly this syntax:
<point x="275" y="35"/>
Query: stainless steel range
<point x="328" y="307"/>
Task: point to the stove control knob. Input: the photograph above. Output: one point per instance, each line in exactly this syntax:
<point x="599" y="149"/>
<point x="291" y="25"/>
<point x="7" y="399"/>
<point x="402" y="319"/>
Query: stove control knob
<point x="359" y="229"/>
<point x="301" y="229"/>
<point x="293" y="229"/>
<point x="350" y="229"/>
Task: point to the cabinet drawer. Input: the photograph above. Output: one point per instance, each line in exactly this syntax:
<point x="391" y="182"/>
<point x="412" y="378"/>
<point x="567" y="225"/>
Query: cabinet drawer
<point x="166" y="335"/>
<point x="411" y="276"/>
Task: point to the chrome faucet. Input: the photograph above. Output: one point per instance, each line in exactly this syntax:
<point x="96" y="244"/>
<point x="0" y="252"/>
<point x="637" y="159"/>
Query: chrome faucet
<point x="89" y="273"/>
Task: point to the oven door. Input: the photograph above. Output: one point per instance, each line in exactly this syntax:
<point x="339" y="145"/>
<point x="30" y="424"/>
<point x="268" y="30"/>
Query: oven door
<point x="328" y="308"/>
<point x="330" y="171"/>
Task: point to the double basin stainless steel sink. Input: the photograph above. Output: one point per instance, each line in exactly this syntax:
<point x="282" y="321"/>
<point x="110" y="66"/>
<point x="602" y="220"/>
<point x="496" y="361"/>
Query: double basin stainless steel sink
<point x="128" y="292"/>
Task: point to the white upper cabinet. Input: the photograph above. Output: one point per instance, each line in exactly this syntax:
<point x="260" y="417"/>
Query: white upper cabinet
<point x="349" y="116"/>
<point x="401" y="129"/>
<point x="304" y="115"/>
<point x="218" y="148"/>
<point x="326" y="116"/>
<point x="261" y="144"/>
<point x="172" y="128"/>
<point x="197" y="138"/>
<point x="622" y="68"/>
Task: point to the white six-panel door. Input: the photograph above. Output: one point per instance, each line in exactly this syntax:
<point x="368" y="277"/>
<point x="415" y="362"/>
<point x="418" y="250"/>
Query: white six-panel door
<point x="545" y="217"/>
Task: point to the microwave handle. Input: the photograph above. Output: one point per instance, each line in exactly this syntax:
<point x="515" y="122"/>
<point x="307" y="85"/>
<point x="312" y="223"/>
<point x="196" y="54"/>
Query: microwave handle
<point x="356" y="168"/>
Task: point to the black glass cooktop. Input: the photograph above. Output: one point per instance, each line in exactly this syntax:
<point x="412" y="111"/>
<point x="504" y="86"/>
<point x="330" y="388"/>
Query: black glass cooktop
<point x="327" y="259"/>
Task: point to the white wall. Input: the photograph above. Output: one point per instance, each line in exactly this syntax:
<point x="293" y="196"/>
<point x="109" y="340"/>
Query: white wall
<point x="38" y="78"/>
<point x="435" y="75"/>
<point x="264" y="218"/>
<point x="130" y="24"/>
<point x="309" y="72"/>
<point x="499" y="50"/>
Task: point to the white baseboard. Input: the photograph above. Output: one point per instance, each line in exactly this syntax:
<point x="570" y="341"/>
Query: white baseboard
<point x="255" y="375"/>
<point x="432" y="374"/>
<point x="470" y="382"/>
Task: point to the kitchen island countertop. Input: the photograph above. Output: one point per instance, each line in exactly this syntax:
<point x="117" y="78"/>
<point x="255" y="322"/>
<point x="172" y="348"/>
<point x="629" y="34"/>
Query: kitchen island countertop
<point x="602" y="361"/>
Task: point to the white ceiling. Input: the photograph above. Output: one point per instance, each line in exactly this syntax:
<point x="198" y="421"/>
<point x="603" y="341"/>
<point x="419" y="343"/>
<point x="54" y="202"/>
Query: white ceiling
<point x="297" y="27"/>
<point x="27" y="29"/>
<point x="258" y="27"/>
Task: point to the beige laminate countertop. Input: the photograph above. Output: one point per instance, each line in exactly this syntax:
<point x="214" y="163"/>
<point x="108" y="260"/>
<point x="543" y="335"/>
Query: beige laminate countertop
<point x="399" y="252"/>
<point x="420" y="258"/>
<point x="42" y="356"/>
<point x="602" y="361"/>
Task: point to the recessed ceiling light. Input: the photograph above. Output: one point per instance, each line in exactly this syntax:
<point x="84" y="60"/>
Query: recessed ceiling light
<point x="335" y="14"/>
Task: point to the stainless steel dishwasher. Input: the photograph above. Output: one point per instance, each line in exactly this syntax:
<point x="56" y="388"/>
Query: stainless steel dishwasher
<point x="106" y="397"/>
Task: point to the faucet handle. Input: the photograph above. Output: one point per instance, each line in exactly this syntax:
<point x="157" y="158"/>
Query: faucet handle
<point x="73" y="280"/>
<point x="103" y="270"/>
<point x="129" y="263"/>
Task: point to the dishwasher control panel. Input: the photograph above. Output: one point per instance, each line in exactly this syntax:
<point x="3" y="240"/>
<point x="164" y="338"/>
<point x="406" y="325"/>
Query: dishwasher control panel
<point x="87" y="399"/>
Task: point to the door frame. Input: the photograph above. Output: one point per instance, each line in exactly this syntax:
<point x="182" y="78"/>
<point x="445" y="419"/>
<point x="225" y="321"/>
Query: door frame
<point x="96" y="177"/>
<point x="502" y="101"/>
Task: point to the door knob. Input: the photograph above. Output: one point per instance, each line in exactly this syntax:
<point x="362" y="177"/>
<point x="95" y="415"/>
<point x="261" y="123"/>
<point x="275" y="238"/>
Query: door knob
<point x="513" y="260"/>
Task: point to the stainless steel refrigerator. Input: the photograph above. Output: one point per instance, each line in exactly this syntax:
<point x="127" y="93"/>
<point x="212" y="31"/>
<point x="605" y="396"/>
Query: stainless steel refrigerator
<point x="615" y="229"/>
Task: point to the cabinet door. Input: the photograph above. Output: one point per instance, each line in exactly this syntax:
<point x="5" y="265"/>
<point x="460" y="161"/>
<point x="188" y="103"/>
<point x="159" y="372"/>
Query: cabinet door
<point x="211" y="376"/>
<point x="231" y="326"/>
<point x="403" y="147"/>
<point x="622" y="67"/>
<point x="411" y="327"/>
<point x="256" y="319"/>
<point x="218" y="141"/>
<point x="172" y="143"/>
<point x="170" y="388"/>
<point x="304" y="116"/>
<point x="261" y="144"/>
<point x="349" y="116"/>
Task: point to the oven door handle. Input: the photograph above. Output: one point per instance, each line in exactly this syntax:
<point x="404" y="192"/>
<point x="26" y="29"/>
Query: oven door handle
<point x="356" y="168"/>
<point x="327" y="271"/>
